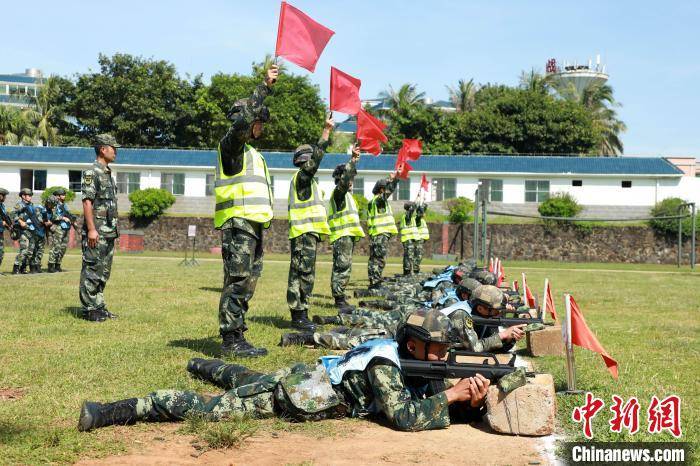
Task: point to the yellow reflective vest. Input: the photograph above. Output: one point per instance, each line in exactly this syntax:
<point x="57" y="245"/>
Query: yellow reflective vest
<point x="346" y="222"/>
<point x="307" y="216"/>
<point x="247" y="194"/>
<point x="409" y="231"/>
<point x="380" y="223"/>
<point x="423" y="232"/>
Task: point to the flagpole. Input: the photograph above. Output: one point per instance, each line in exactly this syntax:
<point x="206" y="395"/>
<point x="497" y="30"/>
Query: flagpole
<point x="544" y="300"/>
<point x="569" y="347"/>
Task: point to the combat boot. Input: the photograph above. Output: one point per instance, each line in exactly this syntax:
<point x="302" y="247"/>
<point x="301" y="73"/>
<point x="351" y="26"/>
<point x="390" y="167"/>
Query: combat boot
<point x="23" y="268"/>
<point x="300" y="321"/>
<point x="58" y="268"/>
<point x="109" y="315"/>
<point x="52" y="268"/>
<point x="95" y="415"/>
<point x="204" y="369"/>
<point x="95" y="315"/>
<point x="302" y="338"/>
<point x="15" y="269"/>
<point x="326" y="320"/>
<point x="235" y="344"/>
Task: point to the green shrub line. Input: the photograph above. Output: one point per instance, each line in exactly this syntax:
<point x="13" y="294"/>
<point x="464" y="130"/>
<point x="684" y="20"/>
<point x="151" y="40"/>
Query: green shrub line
<point x="70" y="195"/>
<point x="150" y="203"/>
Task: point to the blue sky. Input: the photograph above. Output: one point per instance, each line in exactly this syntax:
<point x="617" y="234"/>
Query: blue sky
<point x="651" y="48"/>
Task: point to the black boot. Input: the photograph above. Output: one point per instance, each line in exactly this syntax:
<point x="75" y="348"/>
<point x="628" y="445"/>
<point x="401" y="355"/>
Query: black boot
<point x="23" y="268"/>
<point x="58" y="268"/>
<point x="291" y="339"/>
<point x="15" y="269"/>
<point x="300" y="321"/>
<point x="109" y="315"/>
<point x="326" y="320"/>
<point x="95" y="415"/>
<point x="235" y="344"/>
<point x="204" y="369"/>
<point x="95" y="315"/>
<point x="52" y="268"/>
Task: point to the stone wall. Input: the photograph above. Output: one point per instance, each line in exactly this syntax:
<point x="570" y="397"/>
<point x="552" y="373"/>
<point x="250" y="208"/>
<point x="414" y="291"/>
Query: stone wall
<point x="634" y="244"/>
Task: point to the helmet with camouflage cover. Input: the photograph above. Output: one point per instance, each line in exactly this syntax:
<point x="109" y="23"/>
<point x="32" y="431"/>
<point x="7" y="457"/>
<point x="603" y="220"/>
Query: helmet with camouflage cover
<point x="59" y="191"/>
<point x="26" y="192"/>
<point x="380" y="184"/>
<point x="428" y="326"/>
<point x="458" y="274"/>
<point x="4" y="192"/>
<point x="467" y="285"/>
<point x="469" y="264"/>
<point x="51" y="202"/>
<point x="261" y="113"/>
<point x="302" y="154"/>
<point x="484" y="277"/>
<point x="489" y="296"/>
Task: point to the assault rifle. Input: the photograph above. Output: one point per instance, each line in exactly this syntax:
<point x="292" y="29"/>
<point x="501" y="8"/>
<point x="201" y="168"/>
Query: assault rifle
<point x="12" y="227"/>
<point x="486" y="364"/>
<point x="506" y="321"/>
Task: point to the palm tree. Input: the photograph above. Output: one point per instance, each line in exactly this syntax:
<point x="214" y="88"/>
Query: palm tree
<point x="403" y="101"/>
<point x="599" y="100"/>
<point x="45" y="112"/>
<point x="462" y="97"/>
<point x="534" y="81"/>
<point x="16" y="126"/>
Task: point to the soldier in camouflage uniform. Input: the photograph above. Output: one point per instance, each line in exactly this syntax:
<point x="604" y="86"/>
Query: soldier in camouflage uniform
<point x="26" y="216"/>
<point x="5" y="222"/>
<point x="40" y="238"/>
<point x="409" y="237"/>
<point x="365" y="381"/>
<point x="99" y="229"/>
<point x="489" y="301"/>
<point x="343" y="220"/>
<point x="378" y="247"/>
<point x="60" y="231"/>
<point x="307" y="222"/>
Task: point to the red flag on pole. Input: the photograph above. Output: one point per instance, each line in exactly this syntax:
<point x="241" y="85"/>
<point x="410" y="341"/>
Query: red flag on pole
<point x="501" y="273"/>
<point x="529" y="297"/>
<point x="369" y="127"/>
<point x="413" y="148"/>
<point x="403" y="168"/>
<point x="370" y="145"/>
<point x="345" y="92"/>
<point x="491" y="265"/>
<point x="300" y="39"/>
<point x="424" y="185"/>
<point x="582" y="336"/>
<point x="548" y="300"/>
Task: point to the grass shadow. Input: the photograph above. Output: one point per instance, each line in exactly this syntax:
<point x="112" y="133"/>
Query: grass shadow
<point x="209" y="346"/>
<point x="272" y="321"/>
<point x="211" y="288"/>
<point x="74" y="311"/>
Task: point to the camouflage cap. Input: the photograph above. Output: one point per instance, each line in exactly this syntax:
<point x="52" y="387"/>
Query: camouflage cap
<point x="26" y="191"/>
<point x="428" y="326"/>
<point x="302" y="154"/>
<point x="59" y="191"/>
<point x="467" y="285"/>
<point x="4" y="192"/>
<point x="105" y="140"/>
<point x="484" y="277"/>
<point x="380" y="184"/>
<point x="488" y="295"/>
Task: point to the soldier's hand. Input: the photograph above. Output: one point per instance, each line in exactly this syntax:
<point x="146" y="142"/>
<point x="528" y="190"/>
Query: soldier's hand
<point x="461" y="391"/>
<point x="92" y="238"/>
<point x="515" y="332"/>
<point x="330" y="123"/>
<point x="479" y="387"/>
<point x="271" y="75"/>
<point x="22" y="223"/>
<point x="356" y="152"/>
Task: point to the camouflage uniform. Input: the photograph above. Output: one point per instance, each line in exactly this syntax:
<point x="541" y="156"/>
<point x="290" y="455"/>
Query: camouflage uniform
<point x="40" y="237"/>
<point x="3" y="216"/>
<point x="491" y="297"/>
<point x="60" y="232"/>
<point x="344" y="246"/>
<point x="302" y="268"/>
<point x="241" y="239"/>
<point x="98" y="186"/>
<point x="378" y="246"/>
<point x="27" y="239"/>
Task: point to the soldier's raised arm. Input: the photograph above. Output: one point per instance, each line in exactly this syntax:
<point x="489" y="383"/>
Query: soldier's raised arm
<point x="308" y="169"/>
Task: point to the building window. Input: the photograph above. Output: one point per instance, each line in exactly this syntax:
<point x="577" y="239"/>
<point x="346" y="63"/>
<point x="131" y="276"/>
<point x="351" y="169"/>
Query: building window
<point x="496" y="192"/>
<point x="358" y="186"/>
<point x="536" y="190"/>
<point x="32" y="179"/>
<point x="128" y="182"/>
<point x="576" y="182"/>
<point x="626" y="184"/>
<point x="209" y="185"/>
<point x="445" y="188"/>
<point x="75" y="178"/>
<point x="403" y="191"/>
<point x="173" y="183"/>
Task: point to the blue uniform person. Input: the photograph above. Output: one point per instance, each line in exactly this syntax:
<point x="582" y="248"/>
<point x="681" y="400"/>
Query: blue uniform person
<point x="61" y="219"/>
<point x="25" y="216"/>
<point x="5" y="222"/>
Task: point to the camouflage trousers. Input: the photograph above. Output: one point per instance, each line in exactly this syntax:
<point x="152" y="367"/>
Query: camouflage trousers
<point x="38" y="254"/>
<point x="242" y="253"/>
<point x="371" y="319"/>
<point x="302" y="271"/>
<point x="59" y="243"/>
<point x="27" y="245"/>
<point x="418" y="257"/>
<point x="378" y="249"/>
<point x="342" y="265"/>
<point x="96" y="269"/>
<point x="2" y="247"/>
<point x="343" y="338"/>
<point x="409" y="256"/>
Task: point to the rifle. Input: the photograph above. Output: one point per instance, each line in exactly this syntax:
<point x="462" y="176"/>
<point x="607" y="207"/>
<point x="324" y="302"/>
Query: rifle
<point x="11" y="226"/>
<point x="489" y="367"/>
<point x="505" y="321"/>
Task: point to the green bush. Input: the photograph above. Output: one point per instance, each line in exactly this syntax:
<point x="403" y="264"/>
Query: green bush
<point x="669" y="207"/>
<point x="70" y="195"/>
<point x="150" y="203"/>
<point x="560" y="205"/>
<point x="361" y="205"/>
<point x="460" y="209"/>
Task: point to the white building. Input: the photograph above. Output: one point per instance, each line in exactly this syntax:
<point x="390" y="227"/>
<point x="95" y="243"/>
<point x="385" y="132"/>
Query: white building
<point x="623" y="185"/>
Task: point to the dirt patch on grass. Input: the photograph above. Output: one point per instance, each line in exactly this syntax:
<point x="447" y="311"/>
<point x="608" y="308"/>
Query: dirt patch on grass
<point x="365" y="443"/>
<point x="11" y="394"/>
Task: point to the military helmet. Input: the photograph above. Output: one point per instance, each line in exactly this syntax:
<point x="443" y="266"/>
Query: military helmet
<point x="26" y="191"/>
<point x="302" y="154"/>
<point x="59" y="192"/>
<point x="458" y="274"/>
<point x="484" y="277"/>
<point x="467" y="285"/>
<point x="430" y="326"/>
<point x="468" y="264"/>
<point x="51" y="202"/>
<point x="338" y="172"/>
<point x="261" y="113"/>
<point x="4" y="192"/>
<point x="488" y="295"/>
<point x="380" y="184"/>
<point x="409" y="205"/>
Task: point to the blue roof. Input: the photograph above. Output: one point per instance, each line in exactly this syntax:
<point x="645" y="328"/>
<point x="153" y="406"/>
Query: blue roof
<point x="15" y="78"/>
<point x="385" y="162"/>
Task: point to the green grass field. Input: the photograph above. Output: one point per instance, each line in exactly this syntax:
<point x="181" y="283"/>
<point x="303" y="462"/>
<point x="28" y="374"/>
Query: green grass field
<point x="645" y="316"/>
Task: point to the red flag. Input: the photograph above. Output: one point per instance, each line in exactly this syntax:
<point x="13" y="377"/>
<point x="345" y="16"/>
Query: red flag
<point x="370" y="132"/>
<point x="548" y="300"/>
<point x="370" y="145"/>
<point x="424" y="185"/>
<point x="491" y="265"/>
<point x="501" y="273"/>
<point x="529" y="297"/>
<point x="405" y="167"/>
<point x="300" y="39"/>
<point x="413" y="147"/>
<point x="582" y="336"/>
<point x="345" y="92"/>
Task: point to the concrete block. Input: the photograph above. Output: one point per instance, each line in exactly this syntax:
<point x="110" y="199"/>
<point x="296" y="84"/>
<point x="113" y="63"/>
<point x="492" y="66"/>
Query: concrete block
<point x="528" y="410"/>
<point x="545" y="342"/>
